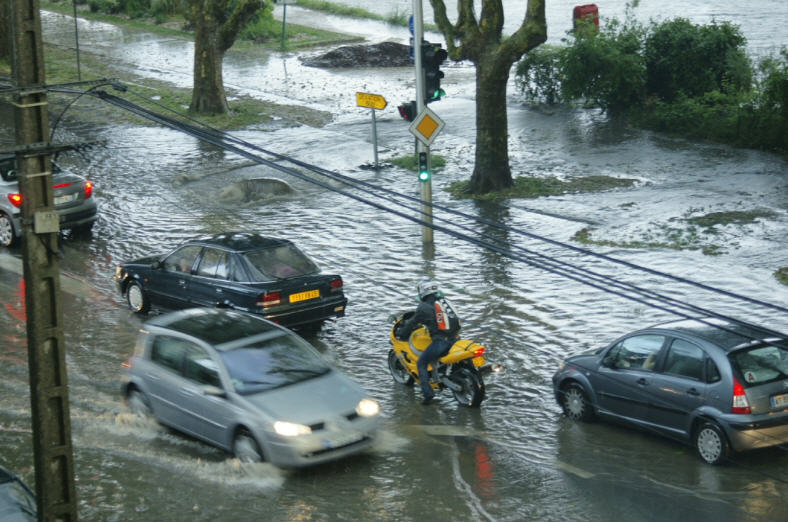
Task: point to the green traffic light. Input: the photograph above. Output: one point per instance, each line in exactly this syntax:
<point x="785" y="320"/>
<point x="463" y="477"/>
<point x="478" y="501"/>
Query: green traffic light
<point x="424" y="171"/>
<point x="438" y="94"/>
<point x="424" y="175"/>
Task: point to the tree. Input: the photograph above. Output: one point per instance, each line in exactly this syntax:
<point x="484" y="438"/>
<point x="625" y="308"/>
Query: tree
<point x="5" y="39"/>
<point x="217" y="24"/>
<point x="481" y="42"/>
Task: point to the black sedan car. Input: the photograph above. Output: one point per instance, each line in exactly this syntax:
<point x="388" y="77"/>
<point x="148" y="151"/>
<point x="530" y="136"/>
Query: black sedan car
<point x="243" y="271"/>
<point x="718" y="385"/>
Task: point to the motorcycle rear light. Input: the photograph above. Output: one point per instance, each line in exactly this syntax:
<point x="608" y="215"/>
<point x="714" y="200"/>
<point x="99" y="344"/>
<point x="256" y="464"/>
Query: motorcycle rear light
<point x="478" y="351"/>
<point x="88" y="189"/>
<point x="15" y="199"/>
<point x="269" y="299"/>
<point x="740" y="403"/>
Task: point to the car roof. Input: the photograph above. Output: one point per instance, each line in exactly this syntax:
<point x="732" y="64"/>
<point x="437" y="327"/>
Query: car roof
<point x="215" y="326"/>
<point x="239" y="241"/>
<point x="724" y="333"/>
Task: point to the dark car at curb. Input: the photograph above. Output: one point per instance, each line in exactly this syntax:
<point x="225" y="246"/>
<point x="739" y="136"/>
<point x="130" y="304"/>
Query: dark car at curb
<point x="718" y="385"/>
<point x="72" y="198"/>
<point x="248" y="386"/>
<point x="17" y="500"/>
<point x="242" y="271"/>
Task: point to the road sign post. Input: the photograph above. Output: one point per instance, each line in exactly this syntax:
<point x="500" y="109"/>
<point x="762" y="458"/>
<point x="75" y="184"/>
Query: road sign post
<point x="284" y="4"/>
<point x="374" y="102"/>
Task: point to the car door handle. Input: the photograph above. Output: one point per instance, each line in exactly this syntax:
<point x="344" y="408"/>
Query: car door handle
<point x="182" y="282"/>
<point x="187" y="392"/>
<point x="642" y="381"/>
<point x="152" y="377"/>
<point x="693" y="391"/>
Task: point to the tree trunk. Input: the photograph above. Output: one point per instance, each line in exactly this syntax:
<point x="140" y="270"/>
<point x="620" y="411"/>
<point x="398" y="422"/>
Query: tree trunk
<point x="491" y="171"/>
<point x="5" y="33"/>
<point x="208" y="95"/>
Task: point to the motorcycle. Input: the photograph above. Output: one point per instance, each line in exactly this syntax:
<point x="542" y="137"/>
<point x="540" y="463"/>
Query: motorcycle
<point x="460" y="370"/>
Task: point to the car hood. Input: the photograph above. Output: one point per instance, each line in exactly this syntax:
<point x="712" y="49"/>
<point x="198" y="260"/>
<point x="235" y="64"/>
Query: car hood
<point x="312" y="400"/>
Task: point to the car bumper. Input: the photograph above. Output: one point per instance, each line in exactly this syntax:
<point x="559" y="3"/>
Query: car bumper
<point x="757" y="432"/>
<point x="78" y="216"/>
<point x="308" y="314"/>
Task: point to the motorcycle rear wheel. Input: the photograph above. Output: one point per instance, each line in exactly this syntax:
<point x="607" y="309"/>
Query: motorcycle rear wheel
<point x="472" y="393"/>
<point x="398" y="371"/>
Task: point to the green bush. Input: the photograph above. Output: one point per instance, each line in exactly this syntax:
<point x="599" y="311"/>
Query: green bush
<point x="262" y="27"/>
<point x="105" y="6"/>
<point x="538" y="74"/>
<point x="684" y="58"/>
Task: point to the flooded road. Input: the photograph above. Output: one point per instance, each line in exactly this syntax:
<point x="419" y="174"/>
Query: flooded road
<point x="516" y="458"/>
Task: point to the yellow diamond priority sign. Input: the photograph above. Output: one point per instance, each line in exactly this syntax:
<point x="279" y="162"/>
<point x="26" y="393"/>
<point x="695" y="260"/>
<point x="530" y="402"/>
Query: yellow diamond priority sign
<point x="426" y="126"/>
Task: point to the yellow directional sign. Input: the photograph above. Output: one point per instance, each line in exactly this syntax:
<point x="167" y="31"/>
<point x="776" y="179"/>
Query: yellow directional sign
<point x="426" y="126"/>
<point x="373" y="101"/>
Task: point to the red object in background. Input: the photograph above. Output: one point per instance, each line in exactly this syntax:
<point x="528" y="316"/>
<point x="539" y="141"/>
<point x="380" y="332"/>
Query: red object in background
<point x="585" y="11"/>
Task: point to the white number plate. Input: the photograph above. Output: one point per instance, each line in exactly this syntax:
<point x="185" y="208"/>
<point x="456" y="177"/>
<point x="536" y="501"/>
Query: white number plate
<point x="68" y="198"/>
<point x="780" y="401"/>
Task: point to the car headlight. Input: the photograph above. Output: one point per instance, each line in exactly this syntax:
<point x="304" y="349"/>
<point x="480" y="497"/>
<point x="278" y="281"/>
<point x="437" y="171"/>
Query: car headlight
<point x="368" y="408"/>
<point x="291" y="429"/>
<point x="562" y="366"/>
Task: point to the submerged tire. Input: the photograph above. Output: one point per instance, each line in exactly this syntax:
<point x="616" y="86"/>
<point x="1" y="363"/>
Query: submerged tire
<point x="575" y="403"/>
<point x="711" y="444"/>
<point x="398" y="371"/>
<point x="245" y="448"/>
<point x="137" y="299"/>
<point x="472" y="393"/>
<point x="139" y="405"/>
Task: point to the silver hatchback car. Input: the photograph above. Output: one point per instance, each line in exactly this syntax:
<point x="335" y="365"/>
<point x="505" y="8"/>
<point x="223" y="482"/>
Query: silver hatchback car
<point x="248" y="386"/>
<point x="720" y="386"/>
<point x="72" y="198"/>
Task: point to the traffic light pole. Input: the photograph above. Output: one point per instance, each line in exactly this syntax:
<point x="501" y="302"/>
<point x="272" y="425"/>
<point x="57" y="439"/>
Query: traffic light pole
<point x="51" y="421"/>
<point x="426" y="186"/>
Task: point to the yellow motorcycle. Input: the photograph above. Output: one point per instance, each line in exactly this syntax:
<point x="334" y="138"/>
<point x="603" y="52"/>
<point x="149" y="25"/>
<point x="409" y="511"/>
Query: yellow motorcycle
<point x="460" y="370"/>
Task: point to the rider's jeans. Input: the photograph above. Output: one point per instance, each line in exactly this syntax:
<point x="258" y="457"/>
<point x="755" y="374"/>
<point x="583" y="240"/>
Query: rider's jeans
<point x="433" y="352"/>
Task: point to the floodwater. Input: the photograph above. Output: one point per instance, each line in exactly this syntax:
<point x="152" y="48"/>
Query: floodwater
<point x="516" y="458"/>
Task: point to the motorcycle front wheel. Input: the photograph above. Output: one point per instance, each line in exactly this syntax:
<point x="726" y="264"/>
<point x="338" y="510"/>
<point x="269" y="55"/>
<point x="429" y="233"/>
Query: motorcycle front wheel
<point x="398" y="371"/>
<point x="472" y="393"/>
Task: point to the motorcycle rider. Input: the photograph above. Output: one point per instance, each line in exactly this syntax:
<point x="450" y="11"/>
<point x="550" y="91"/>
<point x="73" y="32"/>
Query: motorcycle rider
<point x="443" y="324"/>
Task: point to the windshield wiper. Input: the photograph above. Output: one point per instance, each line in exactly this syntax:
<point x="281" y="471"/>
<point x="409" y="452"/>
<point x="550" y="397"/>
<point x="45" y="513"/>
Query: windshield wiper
<point x="309" y="371"/>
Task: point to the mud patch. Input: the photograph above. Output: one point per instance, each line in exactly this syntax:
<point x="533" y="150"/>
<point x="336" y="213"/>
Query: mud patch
<point x="384" y="54"/>
<point x="257" y="189"/>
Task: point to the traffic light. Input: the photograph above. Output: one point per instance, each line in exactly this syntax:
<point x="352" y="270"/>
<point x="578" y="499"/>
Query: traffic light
<point x="432" y="56"/>
<point x="424" y="171"/>
<point x="408" y="110"/>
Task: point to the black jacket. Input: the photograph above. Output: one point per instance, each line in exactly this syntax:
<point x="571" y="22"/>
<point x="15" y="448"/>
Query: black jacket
<point x="425" y="314"/>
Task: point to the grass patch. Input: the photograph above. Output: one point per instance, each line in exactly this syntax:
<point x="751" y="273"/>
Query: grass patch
<point x="782" y="275"/>
<point x="732" y="217"/>
<point x="674" y="239"/>
<point x="529" y="187"/>
<point x="410" y="162"/>
<point x="396" y="18"/>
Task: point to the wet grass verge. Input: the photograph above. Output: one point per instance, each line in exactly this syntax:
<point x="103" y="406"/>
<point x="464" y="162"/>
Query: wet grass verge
<point x="782" y="275"/>
<point x="396" y="18"/>
<point x="529" y="187"/>
<point x="410" y="162"/>
<point x="732" y="217"/>
<point x="672" y="239"/>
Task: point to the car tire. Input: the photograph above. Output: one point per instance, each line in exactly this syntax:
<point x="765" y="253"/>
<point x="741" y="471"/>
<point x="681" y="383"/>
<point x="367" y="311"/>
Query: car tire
<point x="137" y="299"/>
<point x="711" y="444"/>
<point x="575" y="403"/>
<point x="398" y="371"/>
<point x="245" y="448"/>
<point x="7" y="234"/>
<point x="138" y="404"/>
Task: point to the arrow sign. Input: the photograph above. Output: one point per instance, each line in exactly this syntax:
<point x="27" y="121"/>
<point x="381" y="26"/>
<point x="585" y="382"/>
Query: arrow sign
<point x="372" y="101"/>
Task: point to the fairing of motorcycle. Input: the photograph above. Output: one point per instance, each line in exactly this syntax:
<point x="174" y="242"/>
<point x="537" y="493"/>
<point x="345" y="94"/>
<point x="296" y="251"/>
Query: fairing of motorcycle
<point x="460" y="370"/>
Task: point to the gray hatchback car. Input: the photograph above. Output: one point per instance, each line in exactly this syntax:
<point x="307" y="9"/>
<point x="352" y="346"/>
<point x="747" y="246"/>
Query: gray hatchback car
<point x="720" y="386"/>
<point x="248" y="386"/>
<point x="72" y="199"/>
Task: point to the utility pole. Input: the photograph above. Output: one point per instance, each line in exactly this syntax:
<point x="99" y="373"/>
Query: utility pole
<point x="426" y="186"/>
<point x="53" y="457"/>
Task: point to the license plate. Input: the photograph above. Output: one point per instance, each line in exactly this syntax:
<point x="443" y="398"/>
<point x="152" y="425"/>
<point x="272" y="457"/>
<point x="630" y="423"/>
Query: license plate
<point x="478" y="361"/>
<point x="303" y="296"/>
<point x="780" y="401"/>
<point x="67" y="198"/>
<point x="341" y="440"/>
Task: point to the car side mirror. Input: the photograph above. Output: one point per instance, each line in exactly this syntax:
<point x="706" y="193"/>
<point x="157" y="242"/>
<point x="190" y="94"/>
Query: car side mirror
<point x="213" y="391"/>
<point x="608" y="361"/>
<point x="155" y="265"/>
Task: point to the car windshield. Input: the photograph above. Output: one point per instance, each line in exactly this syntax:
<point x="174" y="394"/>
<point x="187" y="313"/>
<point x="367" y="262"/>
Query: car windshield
<point x="279" y="262"/>
<point x="762" y="364"/>
<point x="271" y="362"/>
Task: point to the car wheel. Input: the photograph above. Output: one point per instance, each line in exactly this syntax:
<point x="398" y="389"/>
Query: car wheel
<point x="472" y="393"/>
<point x="575" y="403"/>
<point x="83" y="231"/>
<point x="7" y="236"/>
<point x="398" y="371"/>
<point x="245" y="448"/>
<point x="137" y="299"/>
<point x="711" y="443"/>
<point x="138" y="404"/>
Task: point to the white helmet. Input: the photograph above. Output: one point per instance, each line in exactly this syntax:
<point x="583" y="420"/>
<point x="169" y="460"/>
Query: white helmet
<point x="428" y="287"/>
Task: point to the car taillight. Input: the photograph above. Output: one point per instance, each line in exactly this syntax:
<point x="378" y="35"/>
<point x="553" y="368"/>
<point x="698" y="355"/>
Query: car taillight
<point x="127" y="364"/>
<point x="62" y="185"/>
<point x="88" y="189"/>
<point x="740" y="404"/>
<point x="336" y="284"/>
<point x="269" y="299"/>
<point x="15" y="199"/>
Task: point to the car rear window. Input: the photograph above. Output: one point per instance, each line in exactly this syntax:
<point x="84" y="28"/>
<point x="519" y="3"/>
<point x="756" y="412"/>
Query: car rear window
<point x="761" y="364"/>
<point x="279" y="262"/>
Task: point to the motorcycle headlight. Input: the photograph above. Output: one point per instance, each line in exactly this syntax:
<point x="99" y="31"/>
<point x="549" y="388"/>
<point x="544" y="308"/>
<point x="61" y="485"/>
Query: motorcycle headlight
<point x="291" y="429"/>
<point x="368" y="408"/>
